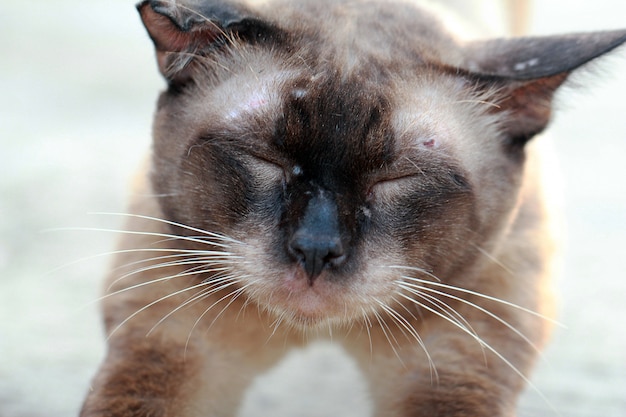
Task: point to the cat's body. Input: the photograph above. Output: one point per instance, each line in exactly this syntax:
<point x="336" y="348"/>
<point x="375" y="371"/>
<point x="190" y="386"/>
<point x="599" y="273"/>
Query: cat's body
<point x="336" y="167"/>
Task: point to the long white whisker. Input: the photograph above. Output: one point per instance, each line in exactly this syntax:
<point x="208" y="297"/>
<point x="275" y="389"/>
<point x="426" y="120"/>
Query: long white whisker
<point x="433" y="367"/>
<point x="183" y="261"/>
<point x="368" y="326"/>
<point x="236" y="293"/>
<point x="197" y="296"/>
<point x="172" y="223"/>
<point x="144" y="308"/>
<point x="483" y="310"/>
<point x="484" y="296"/>
<point x="275" y="324"/>
<point x="155" y="234"/>
<point x="211" y="287"/>
<point x="117" y="252"/>
<point x="492" y="258"/>
<point x="388" y="334"/>
<point x="403" y="323"/>
<point x="437" y="303"/>
<point x="416" y="269"/>
<point x="441" y="306"/>
<point x="484" y="344"/>
<point x="193" y="271"/>
<point x="200" y="262"/>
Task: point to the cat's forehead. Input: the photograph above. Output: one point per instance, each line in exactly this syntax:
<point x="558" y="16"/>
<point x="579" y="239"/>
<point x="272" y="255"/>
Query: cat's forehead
<point x="429" y="110"/>
<point x="403" y="114"/>
<point x="250" y="95"/>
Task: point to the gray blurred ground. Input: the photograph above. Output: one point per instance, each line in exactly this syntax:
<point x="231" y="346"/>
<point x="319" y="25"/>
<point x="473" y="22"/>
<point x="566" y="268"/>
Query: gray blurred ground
<point x="77" y="87"/>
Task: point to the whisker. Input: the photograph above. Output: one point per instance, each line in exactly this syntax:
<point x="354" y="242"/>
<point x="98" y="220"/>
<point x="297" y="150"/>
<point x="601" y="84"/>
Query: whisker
<point x="190" y="272"/>
<point x="237" y="292"/>
<point x="433" y="367"/>
<point x="483" y="310"/>
<point x="140" y="233"/>
<point x="416" y="269"/>
<point x="485" y="345"/>
<point x="144" y="308"/>
<point x="211" y="288"/>
<point x="484" y="296"/>
<point x="177" y="252"/>
<point x="205" y="289"/>
<point x="172" y="223"/>
<point x="212" y="258"/>
<point x="387" y="332"/>
<point x="441" y="306"/>
<point x="368" y="326"/>
<point x="492" y="258"/>
<point x="488" y="103"/>
<point x="110" y="253"/>
<point x="200" y="262"/>
<point x="437" y="303"/>
<point x="403" y="325"/>
<point x="275" y="324"/>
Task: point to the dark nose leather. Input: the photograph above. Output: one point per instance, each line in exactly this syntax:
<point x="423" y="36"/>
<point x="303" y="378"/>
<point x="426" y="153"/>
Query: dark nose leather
<point x="316" y="243"/>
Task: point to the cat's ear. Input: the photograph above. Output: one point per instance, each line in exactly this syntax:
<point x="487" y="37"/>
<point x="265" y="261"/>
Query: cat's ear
<point x="528" y="71"/>
<point x="184" y="31"/>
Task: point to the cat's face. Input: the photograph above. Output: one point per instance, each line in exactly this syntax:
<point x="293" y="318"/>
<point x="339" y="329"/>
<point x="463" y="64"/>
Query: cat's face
<point x="332" y="172"/>
<point x="335" y="189"/>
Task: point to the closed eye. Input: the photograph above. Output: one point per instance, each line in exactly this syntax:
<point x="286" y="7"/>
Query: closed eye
<point x="390" y="187"/>
<point x="266" y="171"/>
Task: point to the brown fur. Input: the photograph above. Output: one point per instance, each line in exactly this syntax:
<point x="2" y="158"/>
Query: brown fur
<point x="344" y="165"/>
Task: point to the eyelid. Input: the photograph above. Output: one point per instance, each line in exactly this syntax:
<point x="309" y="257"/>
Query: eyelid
<point x="267" y="168"/>
<point x="389" y="185"/>
<point x="272" y="161"/>
<point x="276" y="170"/>
<point x="396" y="175"/>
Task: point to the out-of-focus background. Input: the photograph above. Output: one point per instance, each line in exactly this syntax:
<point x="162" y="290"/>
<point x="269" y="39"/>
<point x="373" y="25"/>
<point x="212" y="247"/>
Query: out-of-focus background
<point x="77" y="88"/>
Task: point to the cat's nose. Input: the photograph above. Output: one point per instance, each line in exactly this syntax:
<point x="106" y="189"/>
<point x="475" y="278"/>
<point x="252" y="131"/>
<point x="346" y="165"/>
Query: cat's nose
<point x="316" y="252"/>
<point x="316" y="243"/>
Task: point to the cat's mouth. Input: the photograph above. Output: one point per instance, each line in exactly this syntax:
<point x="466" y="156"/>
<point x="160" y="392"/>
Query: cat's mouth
<point x="306" y="296"/>
<point x="307" y="302"/>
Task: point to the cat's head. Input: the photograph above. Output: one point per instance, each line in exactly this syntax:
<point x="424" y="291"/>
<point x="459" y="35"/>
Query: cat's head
<point x="345" y="146"/>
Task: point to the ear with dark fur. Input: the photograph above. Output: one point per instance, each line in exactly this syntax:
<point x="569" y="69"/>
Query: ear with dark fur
<point x="528" y="71"/>
<point x="185" y="30"/>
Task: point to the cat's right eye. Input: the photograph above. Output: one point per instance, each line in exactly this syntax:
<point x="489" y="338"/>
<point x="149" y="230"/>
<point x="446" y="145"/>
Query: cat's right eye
<point x="267" y="171"/>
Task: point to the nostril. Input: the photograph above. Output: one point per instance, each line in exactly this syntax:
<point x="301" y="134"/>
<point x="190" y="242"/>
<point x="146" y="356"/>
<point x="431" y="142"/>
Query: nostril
<point x="335" y="251"/>
<point x="315" y="253"/>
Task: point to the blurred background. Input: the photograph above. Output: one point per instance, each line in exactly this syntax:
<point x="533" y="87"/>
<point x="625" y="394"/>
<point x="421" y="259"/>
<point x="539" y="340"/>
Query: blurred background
<point x="78" y="83"/>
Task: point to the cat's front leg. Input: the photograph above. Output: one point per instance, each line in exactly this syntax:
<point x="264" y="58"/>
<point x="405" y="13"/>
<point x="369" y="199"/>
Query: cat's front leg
<point x="459" y="396"/>
<point x="151" y="377"/>
<point x="178" y="369"/>
<point x="445" y="374"/>
<point x="440" y="393"/>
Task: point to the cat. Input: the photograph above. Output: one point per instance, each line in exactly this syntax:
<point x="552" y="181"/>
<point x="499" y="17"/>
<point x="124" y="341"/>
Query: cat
<point x="344" y="167"/>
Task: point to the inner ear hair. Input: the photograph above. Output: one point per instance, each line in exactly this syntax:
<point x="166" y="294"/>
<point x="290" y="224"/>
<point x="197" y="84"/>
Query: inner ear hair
<point x="184" y="30"/>
<point x="527" y="105"/>
<point x="176" y="35"/>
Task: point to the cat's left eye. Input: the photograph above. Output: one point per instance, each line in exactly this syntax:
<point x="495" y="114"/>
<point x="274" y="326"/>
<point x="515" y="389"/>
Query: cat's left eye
<point x="389" y="187"/>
